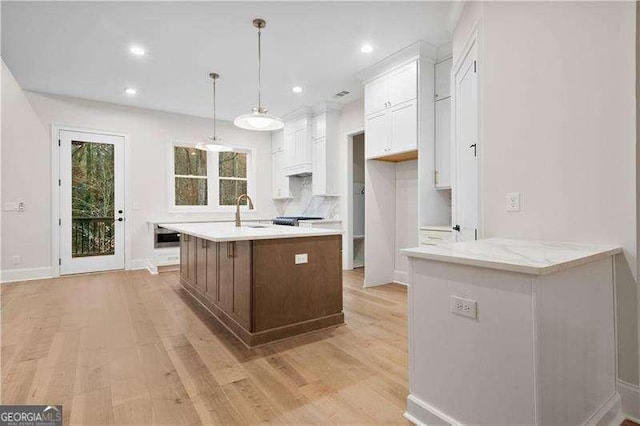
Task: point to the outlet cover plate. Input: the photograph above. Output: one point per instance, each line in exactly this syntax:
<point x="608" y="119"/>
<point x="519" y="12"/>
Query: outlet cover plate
<point x="514" y="200"/>
<point x="465" y="307"/>
<point x="302" y="258"/>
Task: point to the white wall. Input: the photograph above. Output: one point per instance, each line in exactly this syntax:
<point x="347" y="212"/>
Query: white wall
<point x="406" y="216"/>
<point x="351" y="120"/>
<point x="557" y="123"/>
<point x="27" y="177"/>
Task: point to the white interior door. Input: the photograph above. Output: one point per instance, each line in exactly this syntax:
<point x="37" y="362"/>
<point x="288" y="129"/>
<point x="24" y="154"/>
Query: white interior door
<point x="91" y="202"/>
<point x="466" y="148"/>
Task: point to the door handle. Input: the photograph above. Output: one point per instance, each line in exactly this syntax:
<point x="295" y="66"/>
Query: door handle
<point x="456" y="228"/>
<point x="475" y="149"/>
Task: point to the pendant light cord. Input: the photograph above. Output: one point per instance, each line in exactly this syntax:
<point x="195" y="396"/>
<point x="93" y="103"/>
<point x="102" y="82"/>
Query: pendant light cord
<point x="259" y="67"/>
<point x="214" y="109"/>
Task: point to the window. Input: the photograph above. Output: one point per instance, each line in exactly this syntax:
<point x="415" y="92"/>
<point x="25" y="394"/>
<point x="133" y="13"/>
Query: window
<point x="205" y="181"/>
<point x="232" y="177"/>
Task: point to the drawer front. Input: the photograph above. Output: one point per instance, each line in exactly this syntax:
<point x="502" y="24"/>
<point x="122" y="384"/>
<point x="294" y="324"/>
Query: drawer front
<point x="431" y="237"/>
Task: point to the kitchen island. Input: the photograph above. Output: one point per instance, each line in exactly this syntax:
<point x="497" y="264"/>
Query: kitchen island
<point x="263" y="282"/>
<point x="508" y="332"/>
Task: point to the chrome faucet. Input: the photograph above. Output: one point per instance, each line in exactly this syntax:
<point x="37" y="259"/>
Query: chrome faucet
<point x="238" y="207"/>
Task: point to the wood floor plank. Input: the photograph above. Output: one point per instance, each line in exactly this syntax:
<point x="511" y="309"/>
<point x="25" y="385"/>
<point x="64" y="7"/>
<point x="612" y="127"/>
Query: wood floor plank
<point x="133" y="348"/>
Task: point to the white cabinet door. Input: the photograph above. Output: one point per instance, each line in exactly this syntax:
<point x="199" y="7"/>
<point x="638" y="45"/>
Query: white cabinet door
<point x="403" y="84"/>
<point x="404" y="127"/>
<point x="319" y="126"/>
<point x="376" y="135"/>
<point x="443" y="143"/>
<point x="303" y="148"/>
<point x="443" y="79"/>
<point x="289" y="149"/>
<point x="277" y="141"/>
<point x="466" y="139"/>
<point x="280" y="182"/>
<point x="319" y="176"/>
<point x="375" y="96"/>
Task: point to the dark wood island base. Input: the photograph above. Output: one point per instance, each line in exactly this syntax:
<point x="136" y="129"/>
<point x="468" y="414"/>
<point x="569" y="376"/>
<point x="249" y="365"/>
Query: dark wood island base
<point x="258" y="291"/>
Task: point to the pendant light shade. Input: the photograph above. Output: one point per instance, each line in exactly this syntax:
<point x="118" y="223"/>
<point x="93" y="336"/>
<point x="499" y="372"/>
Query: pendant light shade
<point x="258" y="119"/>
<point x="213" y="144"/>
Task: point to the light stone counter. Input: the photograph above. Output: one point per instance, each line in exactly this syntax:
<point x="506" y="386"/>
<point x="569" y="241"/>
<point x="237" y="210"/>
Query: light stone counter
<point x="529" y="257"/>
<point x="220" y="232"/>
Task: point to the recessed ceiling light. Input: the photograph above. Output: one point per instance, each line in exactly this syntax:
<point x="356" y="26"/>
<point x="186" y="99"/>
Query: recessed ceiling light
<point x="296" y="89"/>
<point x="137" y="50"/>
<point x="366" y="48"/>
<point x="130" y="91"/>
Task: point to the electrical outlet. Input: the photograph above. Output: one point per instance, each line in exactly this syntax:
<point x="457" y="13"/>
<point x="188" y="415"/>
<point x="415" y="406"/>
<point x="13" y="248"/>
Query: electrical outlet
<point x="465" y="307"/>
<point x="513" y="201"/>
<point x="302" y="258"/>
<point x="16" y="260"/>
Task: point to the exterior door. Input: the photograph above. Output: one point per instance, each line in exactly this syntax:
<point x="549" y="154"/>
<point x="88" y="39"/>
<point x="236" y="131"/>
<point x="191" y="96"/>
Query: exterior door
<point x="91" y="202"/>
<point x="466" y="149"/>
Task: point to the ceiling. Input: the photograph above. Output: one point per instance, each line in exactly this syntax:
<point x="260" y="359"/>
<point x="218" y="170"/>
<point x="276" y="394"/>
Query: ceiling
<point x="81" y="49"/>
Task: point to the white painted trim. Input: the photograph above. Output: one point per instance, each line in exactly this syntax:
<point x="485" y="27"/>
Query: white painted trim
<point x="347" y="204"/>
<point x="401" y="277"/>
<point x="13" y="275"/>
<point x="55" y="193"/>
<point x="413" y="52"/>
<point x="609" y="414"/>
<point x="421" y="413"/>
<point x="137" y="264"/>
<point x="630" y="395"/>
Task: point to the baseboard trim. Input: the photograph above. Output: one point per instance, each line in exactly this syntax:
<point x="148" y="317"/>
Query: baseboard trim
<point x="400" y="277"/>
<point x="420" y="413"/>
<point x="29" y="274"/>
<point x="630" y="395"/>
<point x="609" y="414"/>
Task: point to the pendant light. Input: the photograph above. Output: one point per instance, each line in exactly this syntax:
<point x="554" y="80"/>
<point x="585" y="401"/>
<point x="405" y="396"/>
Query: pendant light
<point x="214" y="144"/>
<point x="258" y="119"/>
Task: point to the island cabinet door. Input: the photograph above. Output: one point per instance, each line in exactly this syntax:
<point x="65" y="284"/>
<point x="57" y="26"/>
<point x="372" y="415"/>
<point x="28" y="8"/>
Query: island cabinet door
<point x="191" y="259"/>
<point x="242" y="283"/>
<point x="184" y="247"/>
<point x="201" y="265"/>
<point x="211" y="290"/>
<point x="225" y="277"/>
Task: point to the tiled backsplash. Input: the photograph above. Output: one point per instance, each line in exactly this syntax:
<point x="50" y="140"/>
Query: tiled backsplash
<point x="305" y="204"/>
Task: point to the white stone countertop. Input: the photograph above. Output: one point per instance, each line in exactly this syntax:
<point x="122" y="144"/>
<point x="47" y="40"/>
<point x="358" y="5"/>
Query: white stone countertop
<point x="230" y="219"/>
<point x="528" y="257"/>
<point x="220" y="232"/>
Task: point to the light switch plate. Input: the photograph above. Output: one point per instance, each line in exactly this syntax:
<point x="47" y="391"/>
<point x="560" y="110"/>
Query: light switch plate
<point x="465" y="307"/>
<point x="302" y="258"/>
<point x="513" y="201"/>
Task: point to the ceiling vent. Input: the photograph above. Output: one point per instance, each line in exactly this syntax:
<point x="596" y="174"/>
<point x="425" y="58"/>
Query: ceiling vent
<point x="341" y="94"/>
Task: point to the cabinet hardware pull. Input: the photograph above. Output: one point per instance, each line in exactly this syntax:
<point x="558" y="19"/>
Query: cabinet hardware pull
<point x="231" y="248"/>
<point x="204" y="243"/>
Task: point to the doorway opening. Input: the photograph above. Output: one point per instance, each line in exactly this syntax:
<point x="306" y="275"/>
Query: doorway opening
<point x="357" y="211"/>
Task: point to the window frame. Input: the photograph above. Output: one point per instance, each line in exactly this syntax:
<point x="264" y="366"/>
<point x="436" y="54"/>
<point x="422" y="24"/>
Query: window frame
<point x="213" y="178"/>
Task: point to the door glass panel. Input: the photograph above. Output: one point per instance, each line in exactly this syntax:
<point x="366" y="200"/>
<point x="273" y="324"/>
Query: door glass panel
<point x="92" y="196"/>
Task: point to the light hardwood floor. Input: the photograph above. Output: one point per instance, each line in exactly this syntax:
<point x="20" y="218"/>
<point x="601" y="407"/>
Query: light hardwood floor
<point x="134" y="348"/>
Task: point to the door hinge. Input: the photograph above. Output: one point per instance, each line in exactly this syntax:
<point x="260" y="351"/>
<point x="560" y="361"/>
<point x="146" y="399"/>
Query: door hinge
<point x="475" y="66"/>
<point x="59" y="222"/>
<point x="59" y="182"/>
<point x="476" y="233"/>
<point x="59" y="142"/>
<point x="435" y="176"/>
<point x="59" y="261"/>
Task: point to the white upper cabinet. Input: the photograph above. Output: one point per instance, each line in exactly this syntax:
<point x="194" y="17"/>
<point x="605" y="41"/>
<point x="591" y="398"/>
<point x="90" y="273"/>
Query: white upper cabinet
<point x="403" y="84"/>
<point x="277" y="141"/>
<point x="443" y="144"/>
<point x="404" y="126"/>
<point x="391" y="112"/>
<point x="280" y="181"/>
<point x="297" y="146"/>
<point x="376" y="135"/>
<point x="326" y="141"/>
<point x="443" y="79"/>
<point x="376" y="95"/>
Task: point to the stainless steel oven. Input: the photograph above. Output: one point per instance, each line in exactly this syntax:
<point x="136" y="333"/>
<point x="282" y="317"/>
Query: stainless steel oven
<point x="163" y="237"/>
